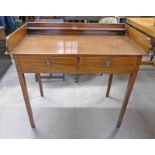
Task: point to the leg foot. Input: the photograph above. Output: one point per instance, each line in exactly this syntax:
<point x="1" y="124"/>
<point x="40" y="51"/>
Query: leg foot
<point x="109" y="84"/>
<point x="26" y="98"/>
<point x="126" y="99"/>
<point x="76" y="78"/>
<point x="40" y="85"/>
<point x="36" y="78"/>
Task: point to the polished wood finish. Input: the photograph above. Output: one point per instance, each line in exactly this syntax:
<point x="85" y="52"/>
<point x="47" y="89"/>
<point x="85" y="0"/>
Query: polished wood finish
<point x="142" y="40"/>
<point x="146" y="25"/>
<point x="79" y="54"/>
<point x="62" y="45"/>
<point x="70" y="64"/>
<point x="40" y="84"/>
<point x="47" y="64"/>
<point x="14" y="38"/>
<point x="128" y="92"/>
<point x="25" y="93"/>
<point x="109" y="84"/>
<point x="107" y="64"/>
<point x="75" y="28"/>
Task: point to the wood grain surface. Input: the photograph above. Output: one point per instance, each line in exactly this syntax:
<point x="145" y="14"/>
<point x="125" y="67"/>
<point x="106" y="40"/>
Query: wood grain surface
<point x="14" y="38"/>
<point x="139" y="38"/>
<point x="77" y="54"/>
<point x="77" y="45"/>
<point x="144" y="24"/>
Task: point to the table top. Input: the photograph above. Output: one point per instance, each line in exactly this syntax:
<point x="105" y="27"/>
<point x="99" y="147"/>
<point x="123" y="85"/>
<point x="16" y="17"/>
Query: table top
<point x="77" y="45"/>
<point x="144" y="24"/>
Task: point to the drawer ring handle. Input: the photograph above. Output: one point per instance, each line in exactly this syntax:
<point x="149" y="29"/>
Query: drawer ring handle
<point x="107" y="62"/>
<point x="48" y="62"/>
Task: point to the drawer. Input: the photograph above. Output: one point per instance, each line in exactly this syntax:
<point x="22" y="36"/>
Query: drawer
<point x="107" y="64"/>
<point x="45" y="64"/>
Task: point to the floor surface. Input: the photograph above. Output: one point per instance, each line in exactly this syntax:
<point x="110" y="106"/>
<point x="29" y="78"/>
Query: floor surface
<point x="78" y="110"/>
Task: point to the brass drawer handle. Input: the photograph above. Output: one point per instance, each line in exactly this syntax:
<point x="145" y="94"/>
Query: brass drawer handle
<point x="107" y="63"/>
<point x="48" y="62"/>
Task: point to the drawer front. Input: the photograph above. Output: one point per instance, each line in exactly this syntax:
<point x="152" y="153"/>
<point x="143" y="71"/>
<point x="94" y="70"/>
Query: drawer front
<point x="107" y="64"/>
<point x="45" y="64"/>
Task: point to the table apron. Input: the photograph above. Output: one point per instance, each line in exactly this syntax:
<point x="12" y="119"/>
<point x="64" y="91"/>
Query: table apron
<point x="76" y="64"/>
